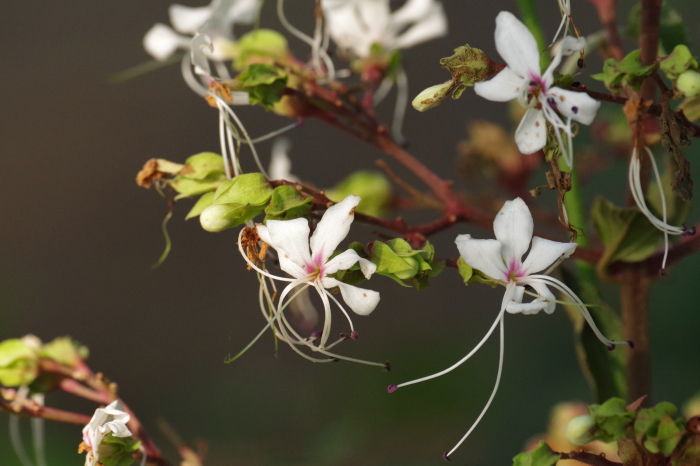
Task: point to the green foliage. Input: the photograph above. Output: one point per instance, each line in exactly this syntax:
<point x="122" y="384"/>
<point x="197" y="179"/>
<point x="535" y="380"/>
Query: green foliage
<point x="287" y="203"/>
<point x="202" y="203"/>
<point x="542" y="455"/>
<point x="672" y="31"/>
<point x="611" y="418"/>
<point x="353" y="275"/>
<point x="117" y="451"/>
<point x="678" y="61"/>
<point x="64" y="351"/>
<point x="372" y="186"/>
<point x="467" y="67"/>
<point x="264" y="84"/>
<point x="259" y="43"/>
<point x="397" y="260"/>
<point x="629" y="71"/>
<point x="18" y="363"/>
<point x="626" y="234"/>
<point x="202" y="173"/>
<point x="471" y="275"/>
<point x="251" y="188"/>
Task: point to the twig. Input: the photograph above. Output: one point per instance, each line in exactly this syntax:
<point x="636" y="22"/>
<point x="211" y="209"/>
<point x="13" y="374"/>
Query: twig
<point x="22" y="406"/>
<point x="606" y="13"/>
<point x="417" y="195"/>
<point x="588" y="458"/>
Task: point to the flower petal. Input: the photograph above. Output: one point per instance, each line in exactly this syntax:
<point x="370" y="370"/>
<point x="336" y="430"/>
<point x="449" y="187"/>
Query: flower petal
<point x="516" y="44"/>
<point x="544" y="303"/>
<point x="333" y="228"/>
<point x="505" y="86"/>
<point x="483" y="255"/>
<point x="577" y="105"/>
<point x="187" y="19"/>
<point x="367" y="268"/>
<point x="544" y="253"/>
<point x="281" y="164"/>
<point x="161" y="41"/>
<point x="567" y="46"/>
<point x="531" y="134"/>
<point x="342" y="261"/>
<point x="546" y="294"/>
<point x="360" y="300"/>
<point x="432" y="26"/>
<point x="200" y="45"/>
<point x="118" y="428"/>
<point x="290" y="237"/>
<point x="513" y="228"/>
<point x="412" y="11"/>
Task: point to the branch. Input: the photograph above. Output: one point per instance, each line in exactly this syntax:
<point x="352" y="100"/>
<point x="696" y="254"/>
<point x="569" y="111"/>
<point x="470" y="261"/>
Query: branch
<point x="606" y="13"/>
<point x="588" y="458"/>
<point x="15" y="404"/>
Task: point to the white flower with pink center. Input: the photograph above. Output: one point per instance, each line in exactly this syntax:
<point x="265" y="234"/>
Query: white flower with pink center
<point x="105" y="420"/>
<point x="501" y="260"/>
<point x="522" y="79"/>
<point x="308" y="261"/>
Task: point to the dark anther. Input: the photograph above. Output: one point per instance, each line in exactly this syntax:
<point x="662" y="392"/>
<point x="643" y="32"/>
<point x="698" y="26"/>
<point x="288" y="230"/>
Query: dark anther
<point x="662" y="272"/>
<point x="392" y="388"/>
<point x="533" y="83"/>
<point x="575" y="84"/>
<point x="445" y="457"/>
<point x="575" y="110"/>
<point x="551" y="101"/>
<point x="344" y="336"/>
<point x="387" y="366"/>
<point x="354" y="336"/>
<point x="316" y="334"/>
<point x="335" y="359"/>
<point x="580" y="62"/>
<point x="611" y="347"/>
<point x="631" y="343"/>
<point x="688" y="231"/>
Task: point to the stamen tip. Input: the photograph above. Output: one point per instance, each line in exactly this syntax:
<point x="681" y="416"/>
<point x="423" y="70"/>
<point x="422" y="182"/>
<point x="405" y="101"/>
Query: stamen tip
<point x="611" y="347"/>
<point x="335" y="359"/>
<point x="316" y="334"/>
<point x="387" y="366"/>
<point x="354" y="336"/>
<point x="445" y="457"/>
<point x="662" y="272"/>
<point x="344" y="336"/>
<point x="631" y="343"/>
<point x="392" y="388"/>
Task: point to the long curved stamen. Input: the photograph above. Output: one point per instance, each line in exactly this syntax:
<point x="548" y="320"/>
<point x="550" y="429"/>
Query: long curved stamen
<point x="493" y="393"/>
<point x="222" y="140"/>
<point x="547" y="280"/>
<point x="552" y="117"/>
<point x="382" y="91"/>
<point x="144" y="456"/>
<point x="222" y="71"/>
<point x="352" y="327"/>
<point x="225" y="106"/>
<point x="461" y="361"/>
<point x="400" y="106"/>
<point x="16" y="441"/>
<point x="190" y="79"/>
<point x="38" y="433"/>
<point x="638" y="194"/>
<point x="565" y="7"/>
<point x="255" y="267"/>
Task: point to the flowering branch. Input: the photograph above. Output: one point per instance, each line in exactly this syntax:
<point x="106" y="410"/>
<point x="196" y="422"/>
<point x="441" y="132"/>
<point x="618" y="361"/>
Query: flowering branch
<point x="588" y="458"/>
<point x="15" y="404"/>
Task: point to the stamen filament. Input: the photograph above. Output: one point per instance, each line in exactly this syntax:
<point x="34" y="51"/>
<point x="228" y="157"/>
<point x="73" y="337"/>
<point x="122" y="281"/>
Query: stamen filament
<point x="493" y="393"/>
<point x="255" y="267"/>
<point x="400" y="105"/>
<point x="352" y="328"/>
<point x="190" y="79"/>
<point x="461" y="361"/>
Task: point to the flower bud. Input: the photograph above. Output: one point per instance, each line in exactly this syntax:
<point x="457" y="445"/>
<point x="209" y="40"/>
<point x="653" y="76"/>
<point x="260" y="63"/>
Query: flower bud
<point x="580" y="430"/>
<point x="18" y="363"/>
<point x="410" y="273"/>
<point x="691" y="108"/>
<point x="214" y="218"/>
<point x="432" y="96"/>
<point x="689" y="83"/>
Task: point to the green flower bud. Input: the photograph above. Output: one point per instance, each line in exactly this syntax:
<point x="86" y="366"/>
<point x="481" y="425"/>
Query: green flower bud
<point x="580" y="429"/>
<point x="410" y="273"/>
<point x="18" y="363"/>
<point x="432" y="96"/>
<point x="689" y="83"/>
<point x="64" y="351"/>
<point x="214" y="218"/>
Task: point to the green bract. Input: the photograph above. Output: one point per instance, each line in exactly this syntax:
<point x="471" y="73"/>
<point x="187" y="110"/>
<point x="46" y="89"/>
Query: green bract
<point x="64" y="351"/>
<point x="611" y="418"/>
<point x="397" y="260"/>
<point x="117" y="451"/>
<point x="353" y="275"/>
<point x="542" y="455"/>
<point x="201" y="204"/>
<point x="626" y="234"/>
<point x="371" y="186"/>
<point x="264" y="83"/>
<point x="235" y="202"/>
<point x="629" y="71"/>
<point x="287" y="203"/>
<point x="471" y="275"/>
<point x="678" y="61"/>
<point x="18" y="363"/>
<point x="259" y="43"/>
<point x="202" y="173"/>
<point x="467" y="67"/>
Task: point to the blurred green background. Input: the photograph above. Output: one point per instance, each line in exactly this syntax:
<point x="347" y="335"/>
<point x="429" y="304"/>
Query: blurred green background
<point x="79" y="237"/>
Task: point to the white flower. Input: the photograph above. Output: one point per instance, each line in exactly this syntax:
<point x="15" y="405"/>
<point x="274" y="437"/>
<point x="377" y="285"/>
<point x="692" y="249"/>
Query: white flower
<point x="501" y="260"/>
<point x="308" y="261"/>
<point x="355" y="25"/>
<point x="522" y="79"/>
<point x="105" y="420"/>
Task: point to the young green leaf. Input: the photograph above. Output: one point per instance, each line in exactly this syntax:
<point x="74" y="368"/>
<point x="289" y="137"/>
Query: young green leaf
<point x="287" y="203"/>
<point x="251" y="188"/>
<point x="542" y="455"/>
<point x="202" y="203"/>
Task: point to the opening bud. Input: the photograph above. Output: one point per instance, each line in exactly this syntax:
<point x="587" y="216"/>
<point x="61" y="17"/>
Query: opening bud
<point x="432" y="96"/>
<point x="215" y="218"/>
<point x="580" y="430"/>
<point x="689" y="83"/>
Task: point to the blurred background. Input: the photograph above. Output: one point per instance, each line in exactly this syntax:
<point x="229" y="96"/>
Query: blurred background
<point x="79" y="238"/>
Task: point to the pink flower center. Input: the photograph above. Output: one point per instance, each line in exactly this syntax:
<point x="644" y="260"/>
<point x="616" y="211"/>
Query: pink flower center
<point x="536" y="86"/>
<point x="316" y="266"/>
<point x="514" y="270"/>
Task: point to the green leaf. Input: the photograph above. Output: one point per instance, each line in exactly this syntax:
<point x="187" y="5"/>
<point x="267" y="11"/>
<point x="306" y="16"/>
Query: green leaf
<point x="672" y="30"/>
<point x="611" y="419"/>
<point x="117" y="451"/>
<point x="669" y="435"/>
<point x="188" y="187"/>
<point x="471" y="275"/>
<point x="628" y="71"/>
<point x="372" y="186"/>
<point x="397" y="260"/>
<point x="287" y="203"/>
<point x="202" y="203"/>
<point x="203" y="165"/>
<point x="259" y="43"/>
<point x="678" y="61"/>
<point x="468" y="66"/>
<point x="249" y="189"/>
<point x="264" y="83"/>
<point x="648" y="419"/>
<point x="64" y="351"/>
<point x="626" y="234"/>
<point x="542" y="455"/>
<point x="388" y="261"/>
<point x="18" y="363"/>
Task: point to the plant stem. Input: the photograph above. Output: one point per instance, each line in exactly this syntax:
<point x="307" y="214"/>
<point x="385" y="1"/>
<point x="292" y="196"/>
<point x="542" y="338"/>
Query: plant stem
<point x="589" y="458"/>
<point x="606" y="13"/>
<point x="634" y="291"/>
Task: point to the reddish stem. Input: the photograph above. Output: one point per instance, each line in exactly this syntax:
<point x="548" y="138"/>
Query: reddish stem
<point x="588" y="458"/>
<point x="29" y="408"/>
<point x="606" y="13"/>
